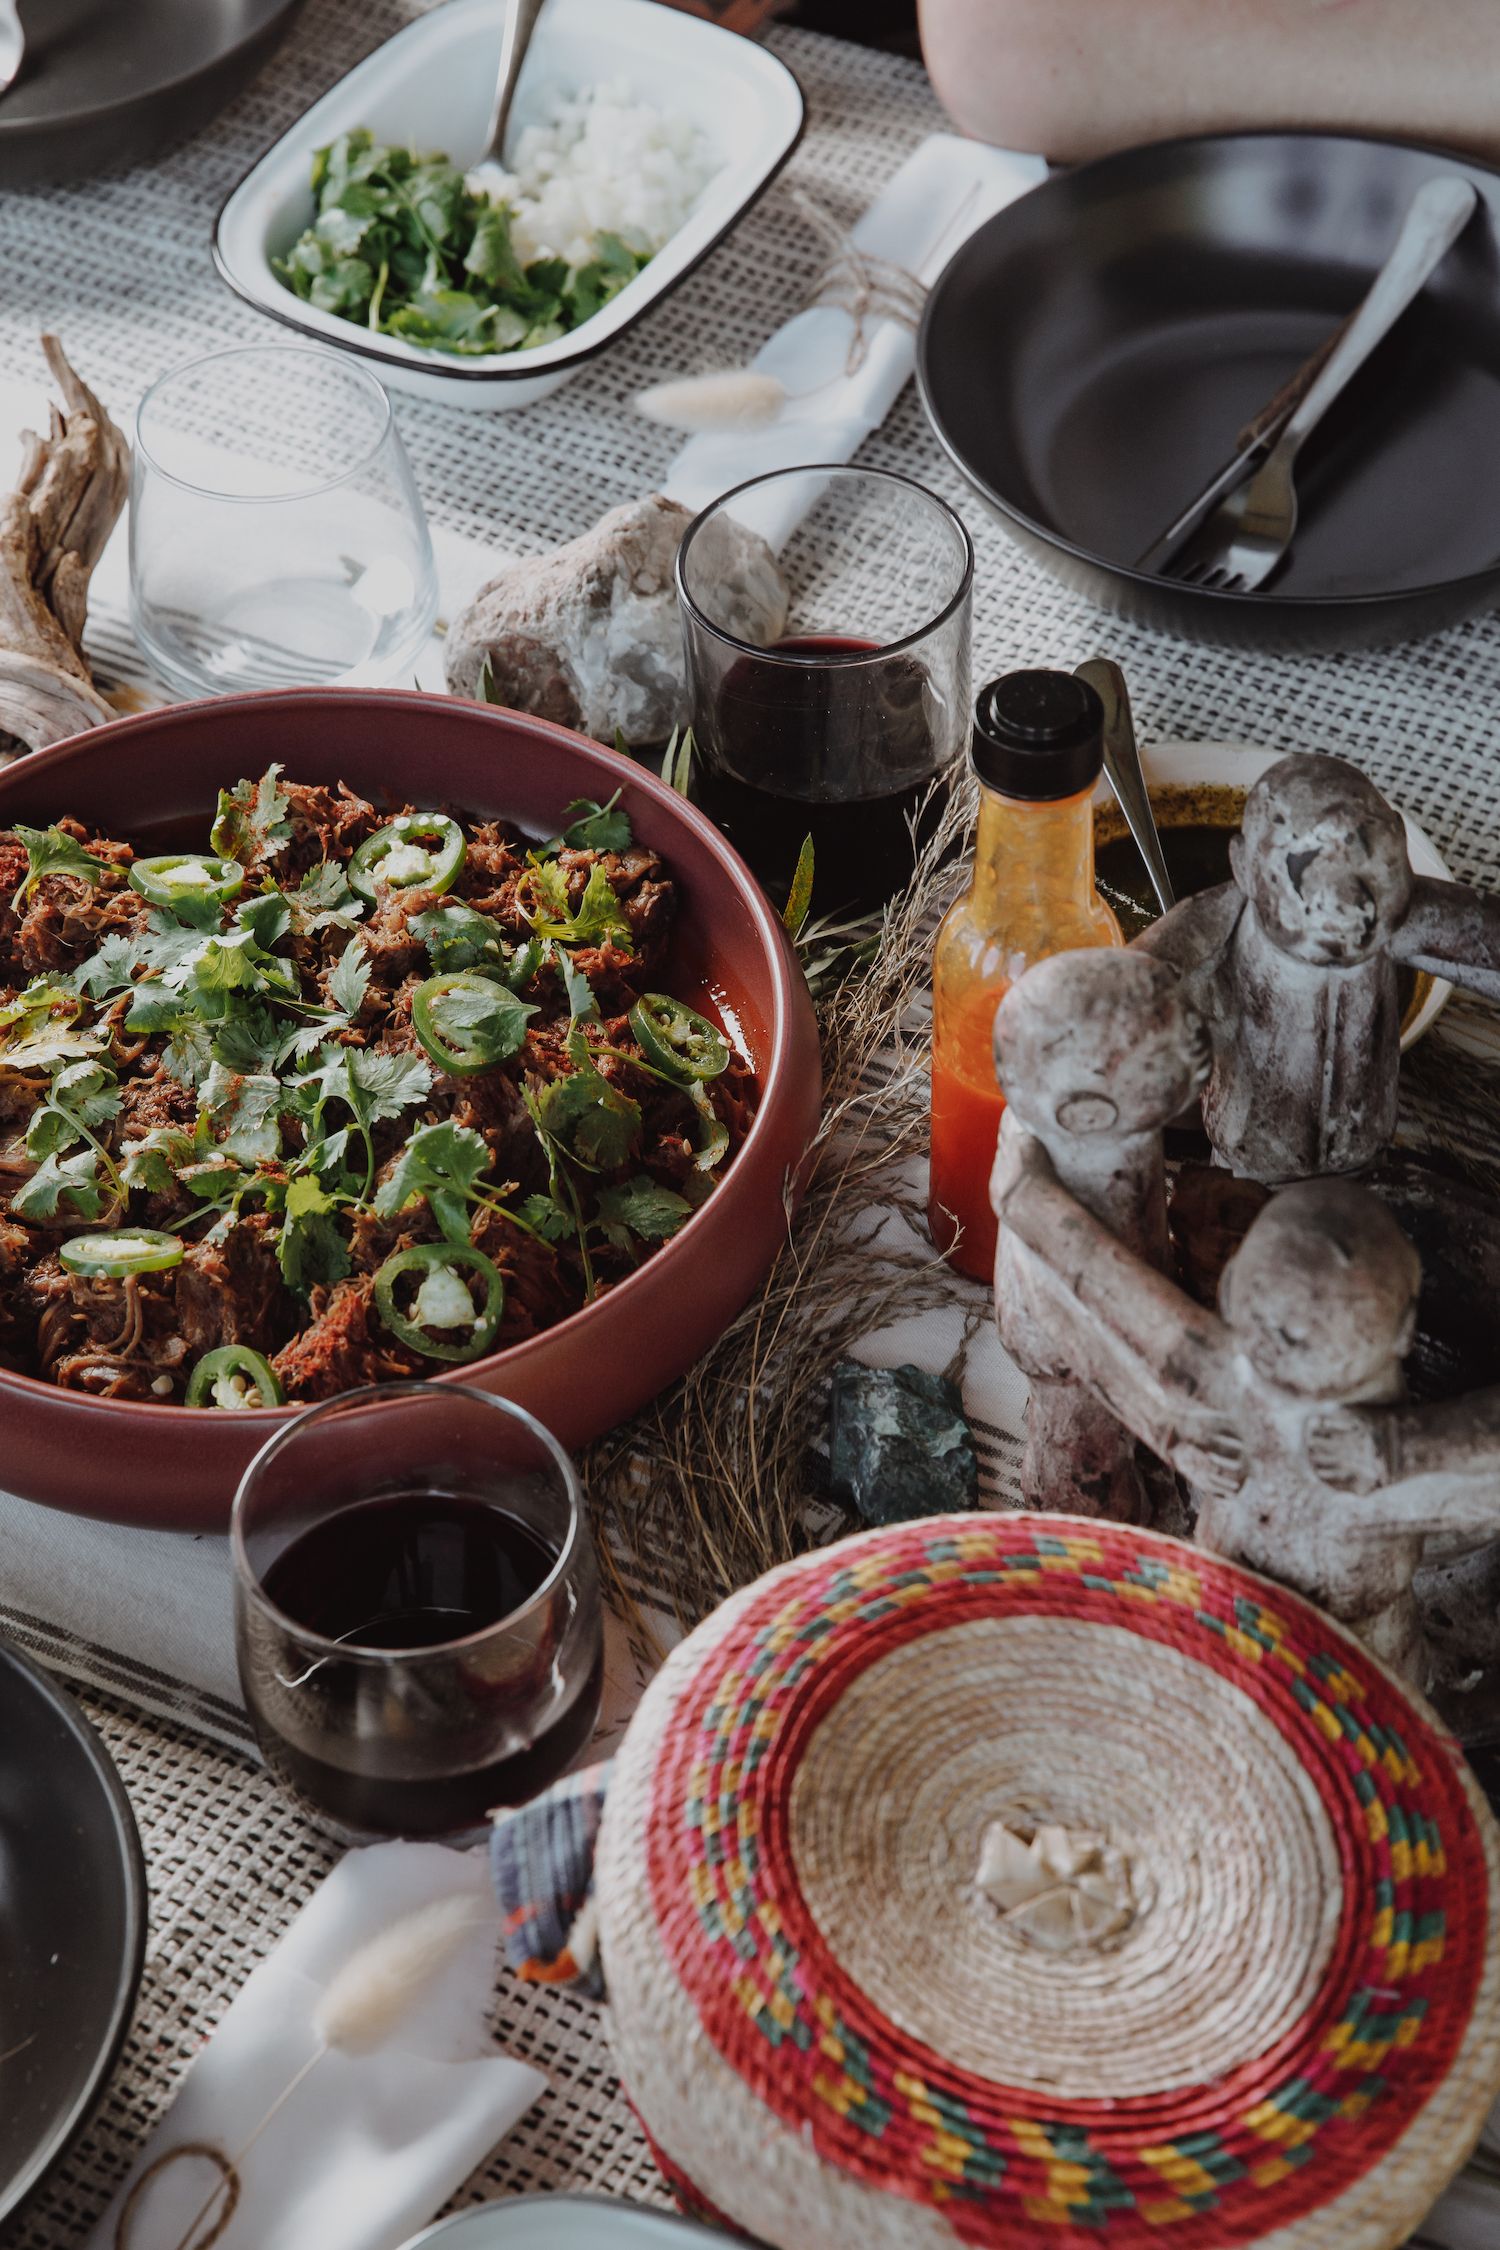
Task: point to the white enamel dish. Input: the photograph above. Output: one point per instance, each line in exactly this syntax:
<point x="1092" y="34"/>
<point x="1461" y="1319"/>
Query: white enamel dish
<point x="565" y="2222"/>
<point x="431" y="87"/>
<point x="1234" y="765"/>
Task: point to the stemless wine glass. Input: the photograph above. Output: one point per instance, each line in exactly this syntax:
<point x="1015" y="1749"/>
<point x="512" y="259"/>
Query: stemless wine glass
<point x="840" y="727"/>
<point x="276" y="535"/>
<point x="416" y="1609"/>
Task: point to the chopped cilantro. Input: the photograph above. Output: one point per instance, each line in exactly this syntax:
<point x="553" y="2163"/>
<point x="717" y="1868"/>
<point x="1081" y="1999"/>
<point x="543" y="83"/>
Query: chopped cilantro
<point x="403" y="246"/>
<point x="597" y="918"/>
<point x="76" y="1177"/>
<point x="251" y="823"/>
<point x="52" y="851"/>
<point x="310" y="1250"/>
<point x="641" y="1207"/>
<point x="444" y="1163"/>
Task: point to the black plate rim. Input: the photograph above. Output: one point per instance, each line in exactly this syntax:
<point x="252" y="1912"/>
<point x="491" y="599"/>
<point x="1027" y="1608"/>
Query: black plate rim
<point x="1285" y="605"/>
<point x="451" y="365"/>
<point x="135" y="1898"/>
<point x="17" y="131"/>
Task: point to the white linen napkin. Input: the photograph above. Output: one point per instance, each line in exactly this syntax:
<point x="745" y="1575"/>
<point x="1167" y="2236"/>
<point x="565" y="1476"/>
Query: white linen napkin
<point x="946" y="188"/>
<point x="371" y="2145"/>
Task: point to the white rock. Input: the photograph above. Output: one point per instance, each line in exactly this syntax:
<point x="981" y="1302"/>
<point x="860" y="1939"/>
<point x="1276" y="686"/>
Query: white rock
<point x="591" y="636"/>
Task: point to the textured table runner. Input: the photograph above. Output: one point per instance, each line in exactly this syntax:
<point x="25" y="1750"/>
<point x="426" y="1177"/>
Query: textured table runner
<point x="121" y="268"/>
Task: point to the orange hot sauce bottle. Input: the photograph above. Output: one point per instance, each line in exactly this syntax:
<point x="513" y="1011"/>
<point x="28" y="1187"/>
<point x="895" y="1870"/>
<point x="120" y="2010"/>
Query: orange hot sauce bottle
<point x="1038" y="750"/>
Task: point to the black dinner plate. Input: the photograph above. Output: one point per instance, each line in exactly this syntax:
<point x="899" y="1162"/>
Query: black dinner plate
<point x="72" y="1922"/>
<point x="1089" y="354"/>
<point x="109" y="82"/>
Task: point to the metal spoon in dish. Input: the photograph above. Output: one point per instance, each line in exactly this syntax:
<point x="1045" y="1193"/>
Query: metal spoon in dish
<point x="1122" y="765"/>
<point x="520" y="22"/>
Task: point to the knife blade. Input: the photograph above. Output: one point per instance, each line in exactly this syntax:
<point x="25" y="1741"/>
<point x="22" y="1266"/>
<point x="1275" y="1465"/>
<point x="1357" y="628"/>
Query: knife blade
<point x="1251" y="446"/>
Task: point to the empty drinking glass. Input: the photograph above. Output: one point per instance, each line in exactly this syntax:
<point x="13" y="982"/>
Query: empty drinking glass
<point x="276" y="534"/>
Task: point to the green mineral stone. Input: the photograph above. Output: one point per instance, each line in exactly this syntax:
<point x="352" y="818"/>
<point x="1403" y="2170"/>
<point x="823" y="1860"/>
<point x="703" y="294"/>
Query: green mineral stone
<point x="898" y="1444"/>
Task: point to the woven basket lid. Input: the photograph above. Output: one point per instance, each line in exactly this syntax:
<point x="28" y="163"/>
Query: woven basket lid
<point x="1021" y="1879"/>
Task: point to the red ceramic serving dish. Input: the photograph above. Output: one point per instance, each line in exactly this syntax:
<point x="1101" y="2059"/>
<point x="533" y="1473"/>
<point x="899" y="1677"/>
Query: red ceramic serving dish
<point x="156" y="778"/>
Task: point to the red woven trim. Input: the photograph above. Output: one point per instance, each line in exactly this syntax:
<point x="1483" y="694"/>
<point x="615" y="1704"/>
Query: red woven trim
<point x="725" y="1982"/>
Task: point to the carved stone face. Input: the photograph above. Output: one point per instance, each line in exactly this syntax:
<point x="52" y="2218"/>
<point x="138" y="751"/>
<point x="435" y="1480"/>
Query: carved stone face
<point x="1322" y="1292"/>
<point x="1322" y="859"/>
<point x="1099" y="1042"/>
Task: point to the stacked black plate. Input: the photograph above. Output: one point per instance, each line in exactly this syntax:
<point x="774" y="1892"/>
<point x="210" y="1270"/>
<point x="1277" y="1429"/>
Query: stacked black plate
<point x="109" y="82"/>
<point x="1090" y="354"/>
<point x="72" y="1922"/>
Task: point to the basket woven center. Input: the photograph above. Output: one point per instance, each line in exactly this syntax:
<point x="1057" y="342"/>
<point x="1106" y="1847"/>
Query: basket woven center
<point x="1231" y="1865"/>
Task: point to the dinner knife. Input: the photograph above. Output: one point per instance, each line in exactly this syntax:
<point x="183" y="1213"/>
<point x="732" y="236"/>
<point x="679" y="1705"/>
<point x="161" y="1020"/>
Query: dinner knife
<point x="1250" y="448"/>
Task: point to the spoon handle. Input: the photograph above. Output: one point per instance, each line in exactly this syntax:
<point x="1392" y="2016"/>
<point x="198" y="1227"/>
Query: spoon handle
<point x="1122" y="764"/>
<point x="515" y="38"/>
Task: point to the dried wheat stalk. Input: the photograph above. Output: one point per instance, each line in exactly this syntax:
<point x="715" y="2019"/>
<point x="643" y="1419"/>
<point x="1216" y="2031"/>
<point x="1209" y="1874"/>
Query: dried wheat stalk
<point x="717" y="1481"/>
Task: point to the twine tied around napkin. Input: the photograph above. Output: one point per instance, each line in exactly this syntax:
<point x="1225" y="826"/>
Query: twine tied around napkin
<point x="870" y="288"/>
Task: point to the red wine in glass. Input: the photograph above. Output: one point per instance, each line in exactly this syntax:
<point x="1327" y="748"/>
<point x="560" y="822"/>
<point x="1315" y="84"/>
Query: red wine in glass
<point x="840" y="751"/>
<point x="487" y="1724"/>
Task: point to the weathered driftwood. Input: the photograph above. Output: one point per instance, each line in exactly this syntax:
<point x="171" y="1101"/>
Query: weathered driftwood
<point x="53" y="528"/>
<point x="1294" y="967"/>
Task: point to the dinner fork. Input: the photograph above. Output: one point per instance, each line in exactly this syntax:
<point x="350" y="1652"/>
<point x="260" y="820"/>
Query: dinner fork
<point x="12" y="44"/>
<point x="1250" y="531"/>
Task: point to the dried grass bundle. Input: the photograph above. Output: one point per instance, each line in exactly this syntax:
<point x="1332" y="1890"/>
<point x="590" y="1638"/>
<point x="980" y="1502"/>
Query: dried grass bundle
<point x="718" y="1481"/>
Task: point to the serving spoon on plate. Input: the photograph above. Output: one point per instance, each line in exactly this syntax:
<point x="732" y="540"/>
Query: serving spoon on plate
<point x="515" y="38"/>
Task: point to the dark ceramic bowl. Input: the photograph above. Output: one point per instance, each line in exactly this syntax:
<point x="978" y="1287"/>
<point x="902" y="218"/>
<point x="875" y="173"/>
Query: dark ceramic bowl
<point x="156" y="778"/>
<point x="106" y="84"/>
<point x="1089" y="355"/>
<point x="72" y="1922"/>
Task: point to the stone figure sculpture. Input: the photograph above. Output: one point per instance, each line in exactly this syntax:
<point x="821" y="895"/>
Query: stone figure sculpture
<point x="1097" y="1051"/>
<point x="1285" y="1408"/>
<point x="1293" y="966"/>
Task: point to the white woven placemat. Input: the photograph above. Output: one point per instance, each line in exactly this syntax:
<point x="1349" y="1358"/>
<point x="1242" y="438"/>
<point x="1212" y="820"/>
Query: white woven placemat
<point x="121" y="269"/>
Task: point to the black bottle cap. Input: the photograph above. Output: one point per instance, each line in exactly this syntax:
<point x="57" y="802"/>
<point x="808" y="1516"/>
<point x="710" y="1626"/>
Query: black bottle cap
<point x="1038" y="735"/>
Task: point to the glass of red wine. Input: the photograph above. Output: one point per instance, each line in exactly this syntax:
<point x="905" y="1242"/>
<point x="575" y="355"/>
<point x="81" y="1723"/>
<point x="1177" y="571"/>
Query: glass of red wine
<point x="847" y="724"/>
<point x="417" y="1610"/>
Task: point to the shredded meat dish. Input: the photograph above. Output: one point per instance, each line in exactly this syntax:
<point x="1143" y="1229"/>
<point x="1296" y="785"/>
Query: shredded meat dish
<point x="343" y="1097"/>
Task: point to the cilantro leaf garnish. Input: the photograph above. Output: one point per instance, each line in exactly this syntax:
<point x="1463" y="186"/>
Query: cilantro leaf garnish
<point x="243" y="1113"/>
<point x="582" y="1006"/>
<point x="40" y="1028"/>
<point x="82" y="1096"/>
<point x="76" y="1177"/>
<point x="310" y="1250"/>
<point x="52" y="851"/>
<point x="267" y="918"/>
<point x="444" y="1163"/>
<point x="323" y="900"/>
<point x="251" y="822"/>
<point x="547" y="1218"/>
<point x="593" y="1120"/>
<point x="372" y="1083"/>
<point x="459" y="938"/>
<point x="350" y="979"/>
<point x="598" y="916"/>
<point x="400" y="244"/>
<point x="188" y="1053"/>
<point x="641" y="1207"/>
<point x="592" y="827"/>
